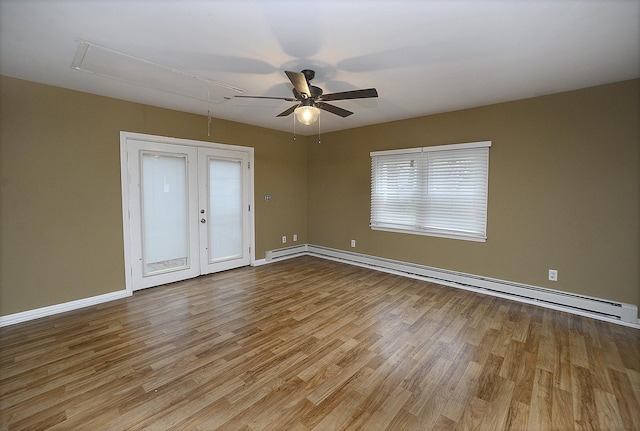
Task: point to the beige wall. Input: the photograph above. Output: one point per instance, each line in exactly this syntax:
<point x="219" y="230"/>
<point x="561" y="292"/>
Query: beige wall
<point x="60" y="201"/>
<point x="564" y="191"/>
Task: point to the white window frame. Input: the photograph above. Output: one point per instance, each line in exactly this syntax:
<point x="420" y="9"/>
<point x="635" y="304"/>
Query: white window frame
<point x="403" y="184"/>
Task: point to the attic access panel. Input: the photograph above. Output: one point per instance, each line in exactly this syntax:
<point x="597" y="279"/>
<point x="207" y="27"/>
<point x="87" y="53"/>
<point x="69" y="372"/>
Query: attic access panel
<point x="136" y="71"/>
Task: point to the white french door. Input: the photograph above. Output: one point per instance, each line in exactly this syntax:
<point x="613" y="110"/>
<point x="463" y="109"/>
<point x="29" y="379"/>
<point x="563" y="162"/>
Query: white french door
<point x="186" y="208"/>
<point x="224" y="209"/>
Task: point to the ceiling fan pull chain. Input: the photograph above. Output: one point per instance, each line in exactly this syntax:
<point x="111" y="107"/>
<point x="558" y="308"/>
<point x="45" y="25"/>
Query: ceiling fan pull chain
<point x="294" y="127"/>
<point x="319" y="141"/>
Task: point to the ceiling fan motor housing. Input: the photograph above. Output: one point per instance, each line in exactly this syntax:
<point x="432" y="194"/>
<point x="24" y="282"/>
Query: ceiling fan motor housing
<point x="315" y="91"/>
<point x="308" y="74"/>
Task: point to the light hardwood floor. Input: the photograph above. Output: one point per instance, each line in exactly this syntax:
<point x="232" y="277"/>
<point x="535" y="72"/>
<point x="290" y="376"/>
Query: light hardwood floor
<point x="311" y="344"/>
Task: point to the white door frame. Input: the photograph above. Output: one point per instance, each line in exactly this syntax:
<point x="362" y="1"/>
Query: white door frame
<point x="126" y="196"/>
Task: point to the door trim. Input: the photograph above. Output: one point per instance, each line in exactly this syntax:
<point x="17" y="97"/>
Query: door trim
<point x="126" y="198"/>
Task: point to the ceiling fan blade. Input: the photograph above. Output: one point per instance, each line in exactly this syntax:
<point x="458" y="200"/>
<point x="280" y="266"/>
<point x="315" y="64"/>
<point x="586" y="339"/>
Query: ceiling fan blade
<point x="288" y="111"/>
<point x="333" y="109"/>
<point x="300" y="83"/>
<point x="355" y="94"/>
<point x="288" y="99"/>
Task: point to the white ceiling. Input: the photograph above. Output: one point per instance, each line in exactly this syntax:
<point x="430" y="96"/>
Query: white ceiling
<point x="423" y="57"/>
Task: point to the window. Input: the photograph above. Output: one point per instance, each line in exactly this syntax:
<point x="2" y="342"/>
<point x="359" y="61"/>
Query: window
<point x="438" y="191"/>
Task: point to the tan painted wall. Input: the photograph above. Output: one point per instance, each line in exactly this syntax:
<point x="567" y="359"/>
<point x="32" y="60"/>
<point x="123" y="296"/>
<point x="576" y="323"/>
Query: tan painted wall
<point x="564" y="191"/>
<point x="60" y="202"/>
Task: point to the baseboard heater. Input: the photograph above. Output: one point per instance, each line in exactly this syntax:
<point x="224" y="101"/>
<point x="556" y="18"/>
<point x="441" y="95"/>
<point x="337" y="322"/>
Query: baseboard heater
<point x="287" y="252"/>
<point x="603" y="309"/>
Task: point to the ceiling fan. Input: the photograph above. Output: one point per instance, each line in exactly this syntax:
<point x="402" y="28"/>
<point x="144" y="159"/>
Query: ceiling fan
<point x="311" y="98"/>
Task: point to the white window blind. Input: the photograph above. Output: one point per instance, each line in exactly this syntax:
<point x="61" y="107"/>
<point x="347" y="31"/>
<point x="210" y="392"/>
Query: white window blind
<point x="440" y="191"/>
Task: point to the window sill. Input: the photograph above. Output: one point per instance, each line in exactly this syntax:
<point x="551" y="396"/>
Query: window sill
<point x="431" y="233"/>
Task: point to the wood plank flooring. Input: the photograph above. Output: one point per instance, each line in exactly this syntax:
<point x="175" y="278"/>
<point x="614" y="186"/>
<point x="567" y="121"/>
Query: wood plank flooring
<point x="311" y="344"/>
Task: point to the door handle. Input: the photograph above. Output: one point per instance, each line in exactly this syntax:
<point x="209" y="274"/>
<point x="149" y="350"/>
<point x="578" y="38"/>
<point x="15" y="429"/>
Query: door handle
<point x="202" y="220"/>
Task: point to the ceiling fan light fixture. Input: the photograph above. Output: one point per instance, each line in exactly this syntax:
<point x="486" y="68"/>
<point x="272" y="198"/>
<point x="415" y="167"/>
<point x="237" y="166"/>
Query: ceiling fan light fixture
<point x="307" y="114"/>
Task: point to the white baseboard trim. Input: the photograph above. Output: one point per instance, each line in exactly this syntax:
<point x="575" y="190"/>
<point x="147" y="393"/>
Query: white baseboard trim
<point x="597" y="308"/>
<point x="602" y="309"/>
<point x="12" y="319"/>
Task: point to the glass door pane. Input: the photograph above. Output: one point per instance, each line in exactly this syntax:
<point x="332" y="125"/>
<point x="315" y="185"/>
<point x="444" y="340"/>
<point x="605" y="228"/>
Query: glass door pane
<point x="225" y="209"/>
<point x="164" y="213"/>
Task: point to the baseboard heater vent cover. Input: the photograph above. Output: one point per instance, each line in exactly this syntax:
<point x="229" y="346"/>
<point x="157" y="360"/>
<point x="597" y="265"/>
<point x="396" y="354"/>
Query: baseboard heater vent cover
<point x="603" y="309"/>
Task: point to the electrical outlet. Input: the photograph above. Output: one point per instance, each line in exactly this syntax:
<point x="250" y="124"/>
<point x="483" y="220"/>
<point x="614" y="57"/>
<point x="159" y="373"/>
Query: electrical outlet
<point x="353" y="243"/>
<point x="553" y="275"/>
<point x="284" y="239"/>
<point x="295" y="237"/>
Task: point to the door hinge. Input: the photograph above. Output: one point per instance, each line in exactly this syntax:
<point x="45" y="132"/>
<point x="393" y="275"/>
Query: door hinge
<point x="248" y="165"/>
<point x="249" y="208"/>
